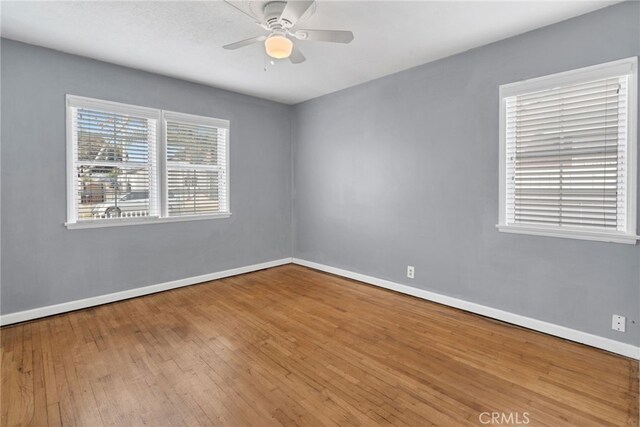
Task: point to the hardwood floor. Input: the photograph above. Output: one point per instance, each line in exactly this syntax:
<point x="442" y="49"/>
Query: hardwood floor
<point x="294" y="346"/>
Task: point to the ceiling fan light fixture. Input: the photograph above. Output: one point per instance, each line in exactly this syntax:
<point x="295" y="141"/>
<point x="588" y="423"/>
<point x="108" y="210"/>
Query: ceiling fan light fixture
<point x="278" y="47"/>
<point x="280" y="18"/>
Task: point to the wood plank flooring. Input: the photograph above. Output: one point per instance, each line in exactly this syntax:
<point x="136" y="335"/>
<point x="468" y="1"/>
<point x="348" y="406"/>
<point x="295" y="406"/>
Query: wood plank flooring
<point x="293" y="346"/>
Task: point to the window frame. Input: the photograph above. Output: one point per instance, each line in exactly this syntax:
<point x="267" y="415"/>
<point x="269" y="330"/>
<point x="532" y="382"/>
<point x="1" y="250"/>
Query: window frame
<point x="609" y="69"/>
<point x="159" y="171"/>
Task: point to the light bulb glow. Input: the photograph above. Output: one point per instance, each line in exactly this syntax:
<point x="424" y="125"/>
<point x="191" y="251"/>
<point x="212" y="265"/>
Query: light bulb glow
<point x="278" y="47"/>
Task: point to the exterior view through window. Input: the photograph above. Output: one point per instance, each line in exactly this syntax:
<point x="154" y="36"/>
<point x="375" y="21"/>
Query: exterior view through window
<point x="115" y="153"/>
<point x="114" y="164"/>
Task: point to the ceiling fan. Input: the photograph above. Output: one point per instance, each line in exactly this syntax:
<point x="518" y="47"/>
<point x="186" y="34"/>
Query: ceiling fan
<point x="279" y="19"/>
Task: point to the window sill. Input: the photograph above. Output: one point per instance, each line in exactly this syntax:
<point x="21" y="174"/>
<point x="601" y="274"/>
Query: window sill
<point x="140" y="221"/>
<point x="629" y="239"/>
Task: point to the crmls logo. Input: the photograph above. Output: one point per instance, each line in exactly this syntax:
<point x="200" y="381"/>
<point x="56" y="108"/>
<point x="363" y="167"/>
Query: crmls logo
<point x="509" y="418"/>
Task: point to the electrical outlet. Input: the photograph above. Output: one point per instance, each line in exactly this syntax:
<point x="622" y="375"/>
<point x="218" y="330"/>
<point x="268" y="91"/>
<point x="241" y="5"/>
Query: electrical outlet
<point x="410" y="272"/>
<point x="618" y="323"/>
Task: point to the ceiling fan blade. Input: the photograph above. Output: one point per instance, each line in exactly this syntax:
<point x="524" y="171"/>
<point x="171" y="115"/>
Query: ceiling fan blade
<point x="334" y="36"/>
<point x="243" y="43"/>
<point x="249" y="14"/>
<point x="296" y="56"/>
<point x="295" y="9"/>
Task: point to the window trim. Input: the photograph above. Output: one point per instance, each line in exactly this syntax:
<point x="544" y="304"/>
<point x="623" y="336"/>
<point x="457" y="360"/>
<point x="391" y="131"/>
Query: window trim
<point x="595" y="72"/>
<point x="119" y="222"/>
<point x="74" y="101"/>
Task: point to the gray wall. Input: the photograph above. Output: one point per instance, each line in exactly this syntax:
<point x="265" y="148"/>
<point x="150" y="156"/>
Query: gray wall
<point x="403" y="171"/>
<point x="43" y="263"/>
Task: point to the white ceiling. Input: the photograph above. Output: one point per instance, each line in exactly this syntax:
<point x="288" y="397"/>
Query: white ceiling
<point x="184" y="39"/>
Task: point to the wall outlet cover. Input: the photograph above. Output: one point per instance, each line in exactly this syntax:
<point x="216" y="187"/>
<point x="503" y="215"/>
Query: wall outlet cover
<point x="618" y="323"/>
<point x="411" y="272"/>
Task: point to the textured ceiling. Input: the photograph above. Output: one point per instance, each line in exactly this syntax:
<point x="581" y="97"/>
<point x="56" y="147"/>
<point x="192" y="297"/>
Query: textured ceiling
<point x="184" y="39"/>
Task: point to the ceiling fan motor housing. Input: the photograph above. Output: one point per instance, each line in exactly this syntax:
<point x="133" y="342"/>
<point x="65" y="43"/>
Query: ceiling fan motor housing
<point x="272" y="12"/>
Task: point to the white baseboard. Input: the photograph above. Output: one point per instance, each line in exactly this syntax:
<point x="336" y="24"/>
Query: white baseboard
<point x="618" y="347"/>
<point x="613" y="346"/>
<point x="21" y="316"/>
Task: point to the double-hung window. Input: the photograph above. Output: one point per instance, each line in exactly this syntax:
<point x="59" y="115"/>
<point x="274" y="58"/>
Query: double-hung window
<point x="568" y="154"/>
<point x="196" y="164"/>
<point x="132" y="165"/>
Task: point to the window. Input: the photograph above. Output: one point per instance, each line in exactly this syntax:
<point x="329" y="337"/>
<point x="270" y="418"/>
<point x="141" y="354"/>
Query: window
<point x="196" y="164"/>
<point x="131" y="165"/>
<point x="568" y="154"/>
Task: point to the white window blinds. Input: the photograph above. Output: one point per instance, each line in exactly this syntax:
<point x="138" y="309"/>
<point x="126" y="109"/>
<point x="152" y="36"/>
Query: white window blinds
<point x="567" y="156"/>
<point x="196" y="165"/>
<point x="130" y="165"/>
<point x="114" y="162"/>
